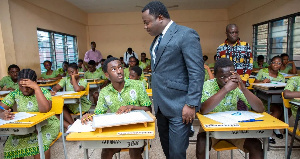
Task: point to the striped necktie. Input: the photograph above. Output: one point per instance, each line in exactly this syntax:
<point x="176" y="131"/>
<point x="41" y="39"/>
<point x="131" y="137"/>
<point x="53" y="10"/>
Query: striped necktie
<point x="156" y="47"/>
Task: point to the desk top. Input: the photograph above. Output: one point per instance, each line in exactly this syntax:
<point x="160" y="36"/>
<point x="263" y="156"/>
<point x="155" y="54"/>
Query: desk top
<point x="269" y="122"/>
<point x="73" y="95"/>
<point x="49" y="84"/>
<point x="97" y="82"/>
<point x="149" y="92"/>
<point x="110" y="133"/>
<point x="39" y="117"/>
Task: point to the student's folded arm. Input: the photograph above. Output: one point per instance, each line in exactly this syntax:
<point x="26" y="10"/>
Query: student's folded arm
<point x="213" y="101"/>
<point x="291" y="94"/>
<point x="255" y="103"/>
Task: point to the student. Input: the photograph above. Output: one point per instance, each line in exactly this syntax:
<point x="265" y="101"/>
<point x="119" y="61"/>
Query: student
<point x="267" y="75"/>
<point x="285" y="67"/>
<point x="116" y="97"/>
<point x="135" y="74"/>
<point x="99" y="66"/>
<point x="145" y="63"/>
<point x="129" y="53"/>
<point x="64" y="70"/>
<point x="208" y="73"/>
<point x="50" y="74"/>
<point x="30" y="98"/>
<point x="259" y="64"/>
<point x="10" y="82"/>
<point x="133" y="61"/>
<point x="81" y="67"/>
<point x="72" y="83"/>
<point x="212" y="65"/>
<point x="122" y="61"/>
<point x="291" y="91"/>
<point x="222" y="94"/>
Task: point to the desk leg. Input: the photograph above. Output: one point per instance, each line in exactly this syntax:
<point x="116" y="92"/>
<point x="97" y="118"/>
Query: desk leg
<point x="265" y="145"/>
<point x="146" y="150"/>
<point x="86" y="153"/>
<point x="80" y="108"/>
<point x="207" y="145"/>
<point x="269" y="104"/>
<point x="40" y="141"/>
<point x="294" y="133"/>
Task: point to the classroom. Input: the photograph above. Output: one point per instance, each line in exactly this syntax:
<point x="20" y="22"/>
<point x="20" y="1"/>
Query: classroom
<point x="115" y="26"/>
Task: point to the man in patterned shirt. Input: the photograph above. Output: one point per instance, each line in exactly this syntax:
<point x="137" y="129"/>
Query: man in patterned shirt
<point x="222" y="94"/>
<point x="120" y="96"/>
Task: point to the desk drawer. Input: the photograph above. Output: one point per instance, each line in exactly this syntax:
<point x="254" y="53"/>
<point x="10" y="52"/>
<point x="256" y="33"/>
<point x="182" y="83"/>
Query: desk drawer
<point x="241" y="134"/>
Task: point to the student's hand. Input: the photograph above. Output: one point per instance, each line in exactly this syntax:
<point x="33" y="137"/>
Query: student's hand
<point x="266" y="80"/>
<point x="86" y="118"/>
<point x="52" y="93"/>
<point x="231" y="85"/>
<point x="29" y="83"/>
<point x="188" y="114"/>
<point x="290" y="62"/>
<point x="74" y="76"/>
<point x="206" y="67"/>
<point x="124" y="109"/>
<point x="7" y="115"/>
<point x="237" y="78"/>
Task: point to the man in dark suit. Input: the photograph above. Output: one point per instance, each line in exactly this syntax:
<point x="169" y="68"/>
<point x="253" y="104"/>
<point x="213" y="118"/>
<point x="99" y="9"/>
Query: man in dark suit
<point x="177" y="77"/>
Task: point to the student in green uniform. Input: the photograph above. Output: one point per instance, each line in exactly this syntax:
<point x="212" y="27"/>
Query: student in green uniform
<point x="64" y="70"/>
<point x="73" y="83"/>
<point x="135" y="74"/>
<point x="208" y="73"/>
<point x="222" y="94"/>
<point x="29" y="98"/>
<point x="133" y="61"/>
<point x="50" y="74"/>
<point x="81" y="67"/>
<point x="291" y="91"/>
<point x="259" y="64"/>
<point x="10" y="82"/>
<point x="145" y="63"/>
<point x="286" y="65"/>
<point x="120" y="96"/>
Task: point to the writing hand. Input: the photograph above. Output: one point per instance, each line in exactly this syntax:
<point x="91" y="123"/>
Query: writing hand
<point x="7" y="115"/>
<point x="52" y="93"/>
<point x="266" y="80"/>
<point x="124" y="109"/>
<point x="85" y="118"/>
<point x="188" y="114"/>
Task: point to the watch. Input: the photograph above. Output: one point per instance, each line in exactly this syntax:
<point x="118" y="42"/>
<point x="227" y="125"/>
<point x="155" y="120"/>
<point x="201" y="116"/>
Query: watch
<point x="191" y="106"/>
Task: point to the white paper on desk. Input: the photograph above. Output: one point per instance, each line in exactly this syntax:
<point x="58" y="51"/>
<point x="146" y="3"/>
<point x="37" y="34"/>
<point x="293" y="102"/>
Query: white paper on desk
<point x="18" y="116"/>
<point x="78" y="127"/>
<point x="4" y="92"/>
<point x="272" y="84"/>
<point x="64" y="93"/>
<point x="233" y="117"/>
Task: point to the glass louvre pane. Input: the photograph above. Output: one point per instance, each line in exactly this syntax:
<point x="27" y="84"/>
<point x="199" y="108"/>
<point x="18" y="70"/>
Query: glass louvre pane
<point x="296" y="41"/>
<point x="278" y="39"/>
<point x="261" y="41"/>
<point x="44" y="44"/>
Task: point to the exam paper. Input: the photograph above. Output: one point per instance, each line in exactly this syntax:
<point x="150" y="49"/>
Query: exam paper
<point x="78" y="127"/>
<point x="4" y="92"/>
<point x="18" y="116"/>
<point x="233" y="117"/>
<point x="64" y="93"/>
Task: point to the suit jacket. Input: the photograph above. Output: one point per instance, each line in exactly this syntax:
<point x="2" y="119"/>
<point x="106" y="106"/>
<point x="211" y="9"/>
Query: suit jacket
<point x="178" y="72"/>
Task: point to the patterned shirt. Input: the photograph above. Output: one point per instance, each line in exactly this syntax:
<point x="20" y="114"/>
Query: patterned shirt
<point x="143" y="65"/>
<point x="293" y="84"/>
<point x="133" y="93"/>
<point x="54" y="74"/>
<point x="287" y="69"/>
<point x="229" y="102"/>
<point x="264" y="73"/>
<point x="8" y="82"/>
<point x="241" y="56"/>
<point x="94" y="75"/>
<point x="255" y="65"/>
<point x="126" y="73"/>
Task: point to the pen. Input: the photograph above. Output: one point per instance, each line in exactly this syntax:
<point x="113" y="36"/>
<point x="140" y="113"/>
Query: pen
<point x="2" y="108"/>
<point x="250" y="120"/>
<point x="89" y="117"/>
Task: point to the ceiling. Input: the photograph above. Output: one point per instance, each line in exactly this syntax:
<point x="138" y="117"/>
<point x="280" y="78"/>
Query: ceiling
<point x="102" y="6"/>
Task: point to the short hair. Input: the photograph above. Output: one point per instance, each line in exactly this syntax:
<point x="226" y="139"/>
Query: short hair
<point x="260" y="57"/>
<point x="27" y="74"/>
<point x="283" y="55"/>
<point x="92" y="62"/>
<point x="73" y="65"/>
<point x="273" y="58"/>
<point x="157" y="8"/>
<point x="129" y="49"/>
<point x="80" y="60"/>
<point x="205" y="57"/>
<point x="93" y="42"/>
<point x="104" y="67"/>
<point x="109" y="56"/>
<point x="13" y="66"/>
<point x="102" y="60"/>
<point x="143" y="53"/>
<point x="47" y="61"/>
<point x="221" y="63"/>
<point x="65" y="62"/>
<point x="137" y="60"/>
<point x="121" y="58"/>
<point x="230" y="25"/>
<point x="137" y="70"/>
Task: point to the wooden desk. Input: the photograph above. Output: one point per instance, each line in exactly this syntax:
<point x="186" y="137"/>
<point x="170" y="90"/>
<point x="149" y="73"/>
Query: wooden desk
<point x="262" y="129"/>
<point x="109" y="138"/>
<point x="295" y="127"/>
<point x="272" y="96"/>
<point x="22" y="129"/>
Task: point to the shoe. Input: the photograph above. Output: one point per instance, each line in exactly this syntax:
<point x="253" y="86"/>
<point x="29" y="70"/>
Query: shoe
<point x="272" y="141"/>
<point x="191" y="133"/>
<point x="280" y="136"/>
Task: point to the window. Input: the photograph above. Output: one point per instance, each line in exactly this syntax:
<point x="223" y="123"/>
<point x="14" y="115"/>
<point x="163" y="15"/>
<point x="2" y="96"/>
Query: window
<point x="57" y="48"/>
<point x="278" y="36"/>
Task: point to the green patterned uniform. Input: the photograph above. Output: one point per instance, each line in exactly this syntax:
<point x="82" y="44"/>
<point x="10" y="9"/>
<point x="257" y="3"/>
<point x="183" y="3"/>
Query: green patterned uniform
<point x="264" y="73"/>
<point x="143" y="65"/>
<point x="206" y="77"/>
<point x="85" y="103"/>
<point x="54" y="74"/>
<point x="8" y="82"/>
<point x="255" y="65"/>
<point x="61" y="71"/>
<point x="287" y="69"/>
<point x="133" y="93"/>
<point x="293" y="84"/>
<point x="229" y="102"/>
<point x="94" y="75"/>
<point x="18" y="146"/>
<point x="126" y="73"/>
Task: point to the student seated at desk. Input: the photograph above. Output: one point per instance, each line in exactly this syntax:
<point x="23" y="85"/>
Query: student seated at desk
<point x="267" y="75"/>
<point x="208" y="73"/>
<point x="292" y="90"/>
<point x="135" y="74"/>
<point x="120" y="96"/>
<point x="285" y="67"/>
<point x="133" y="61"/>
<point x="81" y="66"/>
<point x="259" y="64"/>
<point x="10" y="82"/>
<point x="29" y="98"/>
<point x="50" y="74"/>
<point x="64" y="70"/>
<point x="72" y="83"/>
<point x="145" y="63"/>
<point x="222" y="94"/>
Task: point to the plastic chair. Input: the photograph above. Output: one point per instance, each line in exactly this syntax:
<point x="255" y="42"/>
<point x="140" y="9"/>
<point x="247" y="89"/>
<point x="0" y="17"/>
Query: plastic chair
<point x="251" y="80"/>
<point x="87" y="89"/>
<point x="224" y="145"/>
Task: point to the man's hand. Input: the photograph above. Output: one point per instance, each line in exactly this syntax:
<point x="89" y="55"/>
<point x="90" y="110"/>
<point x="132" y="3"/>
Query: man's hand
<point x="124" y="109"/>
<point x="188" y="114"/>
<point x="231" y="84"/>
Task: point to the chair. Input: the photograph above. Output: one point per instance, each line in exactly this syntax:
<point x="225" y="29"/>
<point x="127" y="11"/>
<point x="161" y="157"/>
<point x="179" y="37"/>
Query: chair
<point x="287" y="105"/>
<point x="224" y="145"/>
<point x="251" y="80"/>
<point x="87" y="89"/>
<point x="57" y="107"/>
<point x="118" y="155"/>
